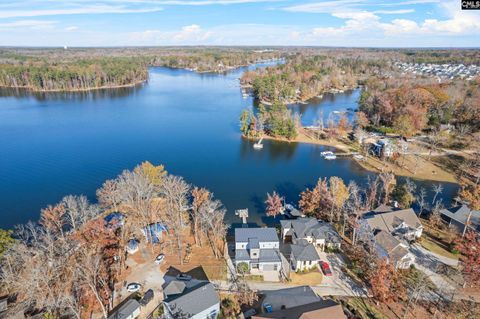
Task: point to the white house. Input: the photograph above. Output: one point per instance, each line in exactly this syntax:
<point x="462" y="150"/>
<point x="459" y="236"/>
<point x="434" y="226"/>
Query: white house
<point x="401" y="223"/>
<point x="391" y="248"/>
<point x="258" y="248"/>
<point x="303" y="256"/>
<point x="315" y="232"/>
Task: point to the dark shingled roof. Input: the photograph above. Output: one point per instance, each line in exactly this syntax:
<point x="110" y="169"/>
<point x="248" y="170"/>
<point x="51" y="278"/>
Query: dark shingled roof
<point x="304" y="252"/>
<point x="460" y="214"/>
<point x="125" y="310"/>
<point x="325" y="309"/>
<point x="242" y="235"/>
<point x="194" y="300"/>
<point x="304" y="227"/>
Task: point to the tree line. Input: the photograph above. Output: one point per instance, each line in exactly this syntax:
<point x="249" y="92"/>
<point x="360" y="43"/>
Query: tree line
<point x="68" y="263"/>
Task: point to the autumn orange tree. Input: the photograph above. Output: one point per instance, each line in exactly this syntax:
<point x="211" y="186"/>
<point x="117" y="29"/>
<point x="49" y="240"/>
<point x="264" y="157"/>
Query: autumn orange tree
<point x="384" y="282"/>
<point x="469" y="248"/>
<point x="274" y="204"/>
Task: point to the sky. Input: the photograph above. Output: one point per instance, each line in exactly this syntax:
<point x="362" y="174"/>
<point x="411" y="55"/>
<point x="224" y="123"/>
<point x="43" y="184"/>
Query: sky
<point x="349" y="23"/>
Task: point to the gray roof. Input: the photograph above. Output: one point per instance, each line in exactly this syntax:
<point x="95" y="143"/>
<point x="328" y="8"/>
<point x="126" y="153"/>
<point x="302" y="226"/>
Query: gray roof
<point x="125" y="310"/>
<point x="266" y="255"/>
<point x="175" y="287"/>
<point x="253" y="243"/>
<point x="290" y="297"/>
<point x="460" y="214"/>
<point x="391" y="220"/>
<point x="304" y="252"/>
<point x="261" y="234"/>
<point x="194" y="300"/>
<point x="304" y="227"/>
<point x="324" y="309"/>
<point x="389" y="246"/>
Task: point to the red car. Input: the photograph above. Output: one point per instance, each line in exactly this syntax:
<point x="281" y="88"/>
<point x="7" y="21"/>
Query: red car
<point x="325" y="268"/>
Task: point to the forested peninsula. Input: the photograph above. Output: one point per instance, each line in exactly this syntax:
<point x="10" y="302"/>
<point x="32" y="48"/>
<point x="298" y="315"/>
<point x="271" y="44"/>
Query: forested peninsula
<point x="78" y="69"/>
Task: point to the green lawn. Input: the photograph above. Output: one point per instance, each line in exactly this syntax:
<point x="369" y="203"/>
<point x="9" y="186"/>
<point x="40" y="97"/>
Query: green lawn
<point x="429" y="244"/>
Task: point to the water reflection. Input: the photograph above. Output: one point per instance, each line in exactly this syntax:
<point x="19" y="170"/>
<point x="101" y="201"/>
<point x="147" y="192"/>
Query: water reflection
<point x="74" y="96"/>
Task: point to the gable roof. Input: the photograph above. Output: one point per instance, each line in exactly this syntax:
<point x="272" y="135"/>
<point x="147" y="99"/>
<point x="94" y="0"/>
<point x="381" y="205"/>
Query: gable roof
<point x="324" y="309"/>
<point x="242" y="235"/>
<point x="460" y="214"/>
<point x="174" y="287"/>
<point x="391" y="220"/>
<point x="308" y="226"/>
<point x="194" y="300"/>
<point x="304" y="252"/>
<point x="289" y="297"/>
<point x="389" y="246"/>
<point x="125" y="310"/>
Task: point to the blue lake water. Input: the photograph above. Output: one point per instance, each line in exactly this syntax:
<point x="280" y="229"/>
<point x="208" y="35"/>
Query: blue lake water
<point x="56" y="144"/>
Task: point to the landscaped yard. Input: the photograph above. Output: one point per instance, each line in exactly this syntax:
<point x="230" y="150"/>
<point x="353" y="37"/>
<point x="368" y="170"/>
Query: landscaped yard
<point x="430" y="244"/>
<point x="311" y="278"/>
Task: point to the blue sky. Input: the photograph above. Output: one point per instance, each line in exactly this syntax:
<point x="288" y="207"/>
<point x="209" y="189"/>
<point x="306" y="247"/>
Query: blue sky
<point x="373" y="23"/>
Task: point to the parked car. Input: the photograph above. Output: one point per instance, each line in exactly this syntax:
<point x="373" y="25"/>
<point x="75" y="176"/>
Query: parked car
<point x="160" y="258"/>
<point x="267" y="307"/>
<point x="133" y="287"/>
<point x="184" y="277"/>
<point x="325" y="268"/>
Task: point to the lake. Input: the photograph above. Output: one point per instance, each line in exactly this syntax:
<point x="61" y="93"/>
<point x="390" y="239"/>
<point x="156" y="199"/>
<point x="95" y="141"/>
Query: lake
<point x="57" y="144"/>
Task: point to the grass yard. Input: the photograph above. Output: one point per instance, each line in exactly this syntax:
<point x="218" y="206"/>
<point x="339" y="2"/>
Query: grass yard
<point x="311" y="278"/>
<point x="429" y="244"/>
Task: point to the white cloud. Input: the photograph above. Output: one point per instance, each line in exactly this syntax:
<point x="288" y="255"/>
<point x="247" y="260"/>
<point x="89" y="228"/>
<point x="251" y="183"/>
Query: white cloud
<point x="189" y="34"/>
<point x="28" y="24"/>
<point x="94" y="9"/>
<point x="71" y="28"/>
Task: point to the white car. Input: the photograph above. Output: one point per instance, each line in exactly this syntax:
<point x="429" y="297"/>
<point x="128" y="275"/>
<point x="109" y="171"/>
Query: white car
<point x="133" y="287"/>
<point x="160" y="258"/>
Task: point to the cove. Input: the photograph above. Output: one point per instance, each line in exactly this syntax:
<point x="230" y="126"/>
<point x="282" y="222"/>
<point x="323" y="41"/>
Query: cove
<point x="56" y="144"/>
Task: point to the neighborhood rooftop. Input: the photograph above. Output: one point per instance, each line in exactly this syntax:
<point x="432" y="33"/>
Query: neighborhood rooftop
<point x="126" y="310"/>
<point x="310" y="227"/>
<point x="325" y="309"/>
<point x="461" y="213"/>
<point x="261" y="234"/>
<point x="194" y="300"/>
<point x="389" y="221"/>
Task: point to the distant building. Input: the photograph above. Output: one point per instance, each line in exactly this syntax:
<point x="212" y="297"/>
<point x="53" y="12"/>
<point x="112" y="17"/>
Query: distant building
<point x="196" y="300"/>
<point x="154" y="232"/>
<point x="129" y="310"/>
<point x="258" y="248"/>
<point x="402" y="223"/>
<point x="459" y="216"/>
<point x="320" y="234"/>
<point x="132" y="246"/>
<point x="393" y="250"/>
<point x="382" y="148"/>
<point x="324" y="309"/>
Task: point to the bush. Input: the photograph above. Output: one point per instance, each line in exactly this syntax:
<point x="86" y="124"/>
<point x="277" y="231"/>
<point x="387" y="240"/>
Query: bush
<point x="243" y="268"/>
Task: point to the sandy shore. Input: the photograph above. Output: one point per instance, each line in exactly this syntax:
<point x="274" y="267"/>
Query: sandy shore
<point x="418" y="167"/>
<point x="75" y="90"/>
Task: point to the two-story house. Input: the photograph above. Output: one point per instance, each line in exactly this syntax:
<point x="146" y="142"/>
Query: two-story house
<point x="402" y="223"/>
<point x="393" y="250"/>
<point x="318" y="233"/>
<point x="258" y="248"/>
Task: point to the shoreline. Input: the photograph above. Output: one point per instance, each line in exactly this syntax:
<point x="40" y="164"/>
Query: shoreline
<point x="30" y="89"/>
<point x="429" y="171"/>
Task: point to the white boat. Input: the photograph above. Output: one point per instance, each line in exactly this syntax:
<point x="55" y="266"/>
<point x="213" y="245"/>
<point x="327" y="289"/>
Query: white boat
<point x="258" y="145"/>
<point x="358" y="157"/>
<point x="330" y="157"/>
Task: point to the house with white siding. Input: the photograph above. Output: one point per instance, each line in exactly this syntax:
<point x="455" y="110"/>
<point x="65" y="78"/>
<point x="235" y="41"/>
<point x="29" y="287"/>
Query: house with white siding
<point x="321" y="234"/>
<point x="258" y="248"/>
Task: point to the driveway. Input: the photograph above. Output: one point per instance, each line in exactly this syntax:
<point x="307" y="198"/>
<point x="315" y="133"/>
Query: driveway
<point x="430" y="263"/>
<point x="339" y="284"/>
